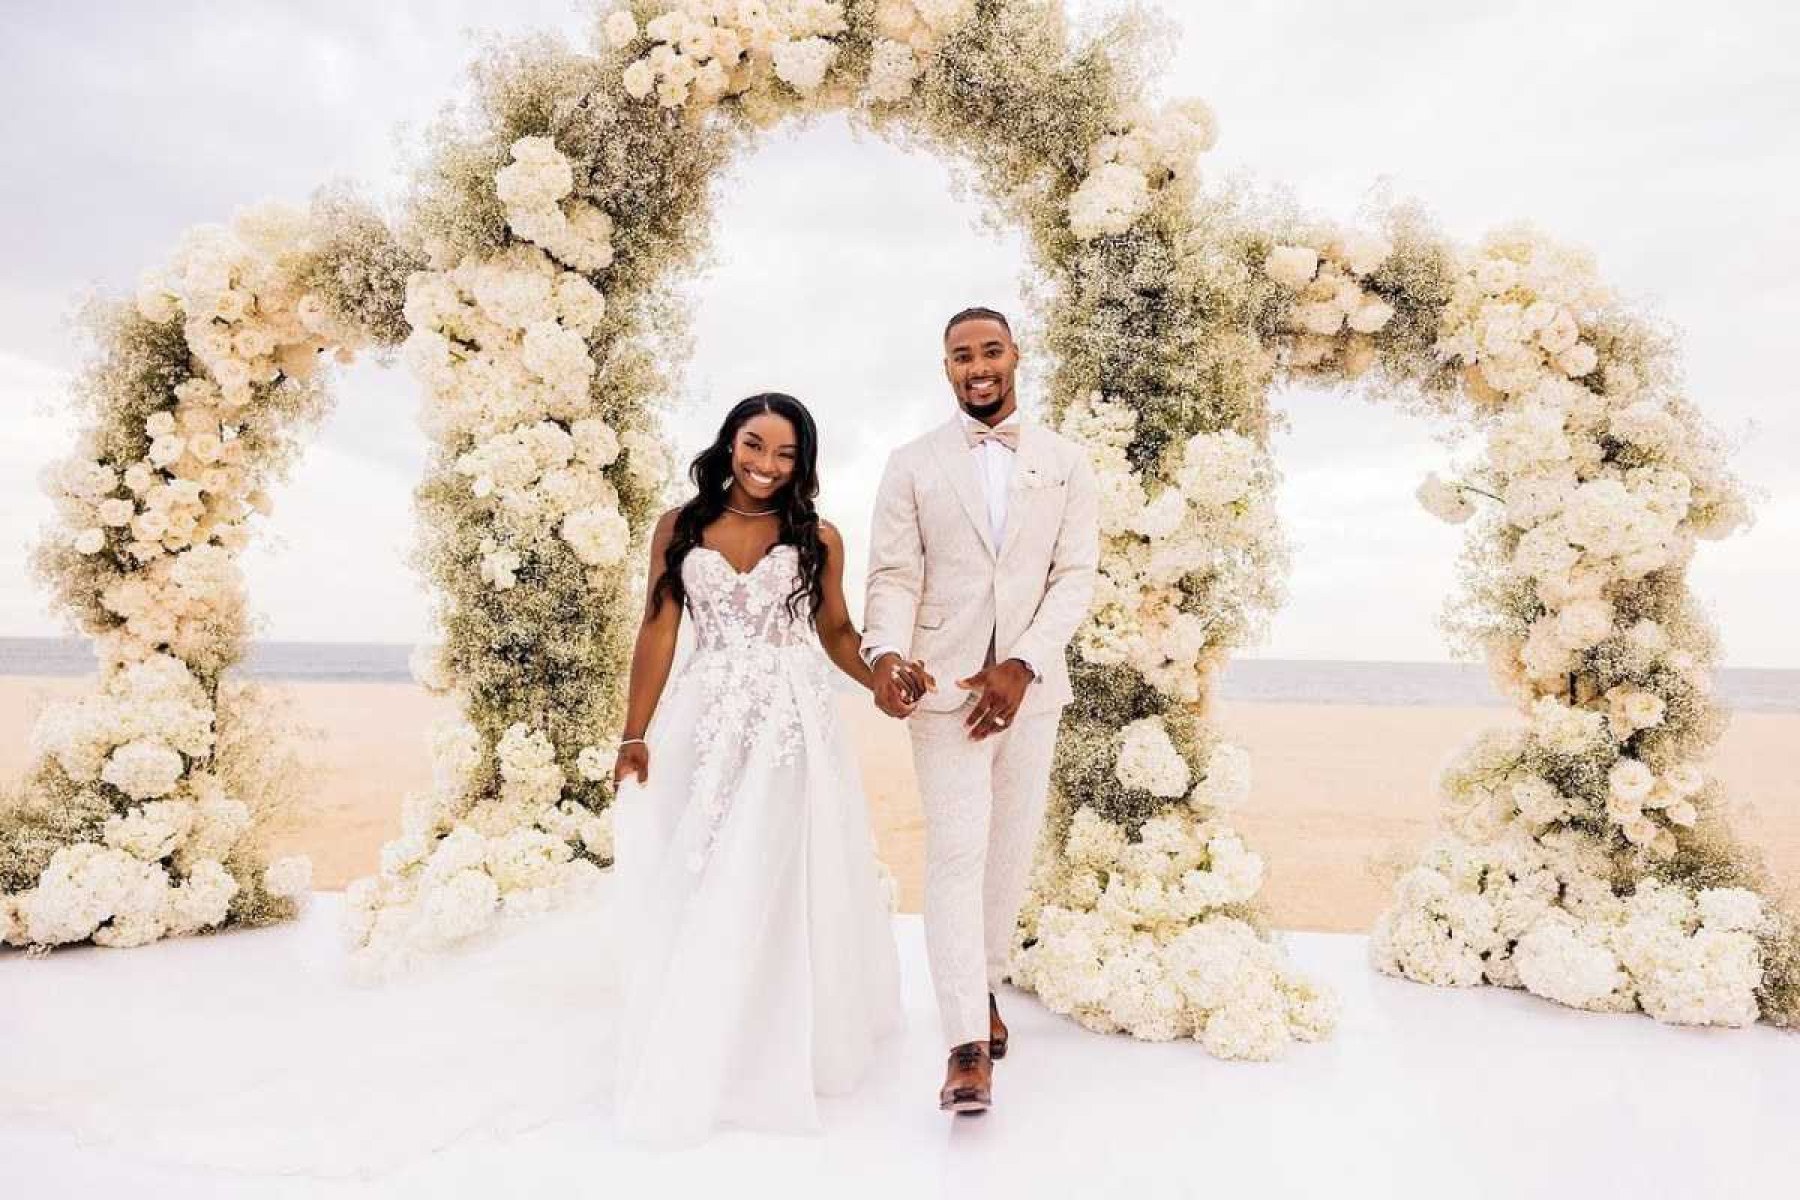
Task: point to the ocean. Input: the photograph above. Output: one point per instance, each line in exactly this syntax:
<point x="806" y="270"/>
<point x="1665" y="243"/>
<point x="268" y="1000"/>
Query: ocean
<point x="1264" y="680"/>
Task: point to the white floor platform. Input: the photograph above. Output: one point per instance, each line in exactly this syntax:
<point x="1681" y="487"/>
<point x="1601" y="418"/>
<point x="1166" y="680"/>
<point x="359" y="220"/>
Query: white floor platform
<point x="1422" y="1092"/>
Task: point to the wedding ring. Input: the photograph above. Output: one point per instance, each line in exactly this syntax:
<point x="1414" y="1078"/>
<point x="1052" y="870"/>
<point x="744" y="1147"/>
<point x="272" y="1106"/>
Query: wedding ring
<point x="1000" y="721"/>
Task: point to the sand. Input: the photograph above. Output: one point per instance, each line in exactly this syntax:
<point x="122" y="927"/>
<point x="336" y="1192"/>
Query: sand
<point x="1343" y="796"/>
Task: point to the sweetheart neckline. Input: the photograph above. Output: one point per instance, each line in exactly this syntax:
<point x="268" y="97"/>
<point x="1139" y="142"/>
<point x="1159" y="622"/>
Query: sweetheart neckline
<point x="732" y="567"/>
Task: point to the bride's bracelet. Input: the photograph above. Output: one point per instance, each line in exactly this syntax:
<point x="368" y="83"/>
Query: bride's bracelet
<point x="634" y="742"/>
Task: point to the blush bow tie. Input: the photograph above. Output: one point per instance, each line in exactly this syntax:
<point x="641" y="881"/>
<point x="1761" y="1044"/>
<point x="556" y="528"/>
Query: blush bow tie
<point x="1007" y="435"/>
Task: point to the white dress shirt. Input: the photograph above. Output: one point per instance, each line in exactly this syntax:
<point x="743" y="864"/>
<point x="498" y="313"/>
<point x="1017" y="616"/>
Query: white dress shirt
<point x="995" y="460"/>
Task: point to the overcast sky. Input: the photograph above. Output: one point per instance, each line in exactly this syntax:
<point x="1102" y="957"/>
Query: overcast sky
<point x="1662" y="138"/>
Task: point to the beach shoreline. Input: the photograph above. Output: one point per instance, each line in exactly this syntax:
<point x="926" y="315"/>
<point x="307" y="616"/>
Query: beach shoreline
<point x="1344" y="794"/>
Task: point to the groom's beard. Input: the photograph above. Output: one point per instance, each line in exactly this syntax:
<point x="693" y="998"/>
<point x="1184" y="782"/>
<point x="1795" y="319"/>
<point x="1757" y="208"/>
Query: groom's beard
<point x="981" y="412"/>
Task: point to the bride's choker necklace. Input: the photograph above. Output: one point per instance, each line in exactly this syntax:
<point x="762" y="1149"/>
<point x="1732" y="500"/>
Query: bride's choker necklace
<point x="747" y="513"/>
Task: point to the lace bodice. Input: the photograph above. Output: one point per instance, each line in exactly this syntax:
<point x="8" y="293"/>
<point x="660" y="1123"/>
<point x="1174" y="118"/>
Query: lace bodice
<point x="761" y="672"/>
<point x="743" y="611"/>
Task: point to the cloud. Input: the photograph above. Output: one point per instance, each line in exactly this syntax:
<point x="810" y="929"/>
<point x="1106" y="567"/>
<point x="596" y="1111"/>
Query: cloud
<point x="835" y="260"/>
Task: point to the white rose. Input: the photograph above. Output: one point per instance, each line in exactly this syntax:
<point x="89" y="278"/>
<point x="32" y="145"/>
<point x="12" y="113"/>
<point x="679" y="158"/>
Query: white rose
<point x="166" y="449"/>
<point x="639" y="80"/>
<point x="1686" y="779"/>
<point x="1630" y="780"/>
<point x="621" y="29"/>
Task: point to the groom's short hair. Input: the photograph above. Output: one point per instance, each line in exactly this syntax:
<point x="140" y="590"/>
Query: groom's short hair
<point x="979" y="314"/>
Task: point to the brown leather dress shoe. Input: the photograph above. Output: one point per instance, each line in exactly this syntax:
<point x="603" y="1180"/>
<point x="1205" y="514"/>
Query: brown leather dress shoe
<point x="997" y="1034"/>
<point x="968" y="1080"/>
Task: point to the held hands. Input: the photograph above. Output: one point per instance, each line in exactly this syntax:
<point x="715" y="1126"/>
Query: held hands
<point x="1000" y="690"/>
<point x="633" y="760"/>
<point x="900" y="685"/>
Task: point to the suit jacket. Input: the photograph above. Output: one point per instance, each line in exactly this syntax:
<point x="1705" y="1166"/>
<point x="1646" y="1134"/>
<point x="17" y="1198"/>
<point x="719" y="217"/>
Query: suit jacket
<point x="941" y="591"/>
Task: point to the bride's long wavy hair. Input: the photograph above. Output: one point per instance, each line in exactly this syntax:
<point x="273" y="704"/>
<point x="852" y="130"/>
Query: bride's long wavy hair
<point x="711" y="474"/>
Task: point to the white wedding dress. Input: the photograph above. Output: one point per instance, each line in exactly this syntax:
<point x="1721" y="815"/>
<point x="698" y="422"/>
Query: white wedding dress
<point x="737" y="962"/>
<point x="758" y="950"/>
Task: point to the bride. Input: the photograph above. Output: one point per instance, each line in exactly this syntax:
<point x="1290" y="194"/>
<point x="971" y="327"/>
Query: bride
<point x="741" y="961"/>
<point x="759" y="960"/>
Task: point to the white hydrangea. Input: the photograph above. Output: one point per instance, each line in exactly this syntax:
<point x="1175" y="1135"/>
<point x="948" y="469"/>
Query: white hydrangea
<point x="1731" y="910"/>
<point x="1565" y="729"/>
<point x="144" y="768"/>
<point x="599" y="536"/>
<point x="528" y="769"/>
<point x="1148" y="760"/>
<point x="802" y="64"/>
<point x="457" y="907"/>
<point x="1109" y="202"/>
<point x="151" y="831"/>
<point x="526" y="858"/>
<point x="203" y="899"/>
<point x="85" y="885"/>
<point x="1092" y="840"/>
<point x="593" y="764"/>
<point x="647" y="459"/>
<point x="220" y="822"/>
<point x="1218" y="468"/>
<point x="535" y="190"/>
<point x="1569" y="961"/>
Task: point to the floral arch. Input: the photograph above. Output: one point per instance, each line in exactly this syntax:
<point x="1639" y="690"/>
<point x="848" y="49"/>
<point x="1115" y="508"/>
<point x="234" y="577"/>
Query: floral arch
<point x="525" y="285"/>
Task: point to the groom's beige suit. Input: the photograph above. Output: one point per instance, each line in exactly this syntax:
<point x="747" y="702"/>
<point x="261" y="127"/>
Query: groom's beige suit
<point x="981" y="554"/>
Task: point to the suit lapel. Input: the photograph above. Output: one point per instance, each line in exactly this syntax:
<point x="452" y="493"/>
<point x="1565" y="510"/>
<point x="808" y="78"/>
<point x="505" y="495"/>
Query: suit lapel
<point x="959" y="466"/>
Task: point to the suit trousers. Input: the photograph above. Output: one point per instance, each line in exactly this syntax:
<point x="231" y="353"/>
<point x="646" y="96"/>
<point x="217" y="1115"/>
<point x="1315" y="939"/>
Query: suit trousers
<point x="984" y="809"/>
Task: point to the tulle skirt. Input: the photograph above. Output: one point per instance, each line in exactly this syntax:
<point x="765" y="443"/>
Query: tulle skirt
<point x="759" y="965"/>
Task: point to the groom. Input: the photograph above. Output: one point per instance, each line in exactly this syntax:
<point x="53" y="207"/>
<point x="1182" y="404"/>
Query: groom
<point x="981" y="568"/>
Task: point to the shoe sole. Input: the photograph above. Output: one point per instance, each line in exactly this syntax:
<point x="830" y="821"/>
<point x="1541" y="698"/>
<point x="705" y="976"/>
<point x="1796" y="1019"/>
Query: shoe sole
<point x="966" y="1108"/>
